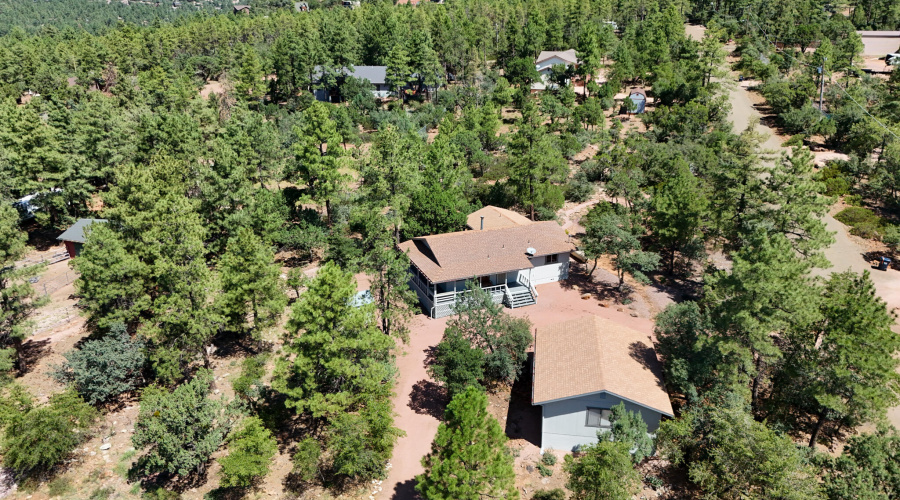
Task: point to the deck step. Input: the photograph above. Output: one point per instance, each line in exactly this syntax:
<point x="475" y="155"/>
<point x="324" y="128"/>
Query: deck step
<point x="520" y="297"/>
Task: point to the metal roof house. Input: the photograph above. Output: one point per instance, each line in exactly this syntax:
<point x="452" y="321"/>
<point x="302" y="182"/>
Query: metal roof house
<point x="585" y="366"/>
<point x="879" y="43"/>
<point x="76" y="235"/>
<point x="376" y="75"/>
<point x="508" y="262"/>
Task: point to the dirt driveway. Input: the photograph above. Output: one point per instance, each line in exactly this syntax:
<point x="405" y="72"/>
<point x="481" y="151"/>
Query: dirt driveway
<point x="846" y="253"/>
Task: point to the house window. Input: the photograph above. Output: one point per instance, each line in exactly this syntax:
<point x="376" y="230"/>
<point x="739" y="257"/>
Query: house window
<point x="551" y="259"/>
<point x="598" y="417"/>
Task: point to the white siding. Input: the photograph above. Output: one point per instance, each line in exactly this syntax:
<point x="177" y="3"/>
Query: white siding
<point x="547" y="273"/>
<point x="564" y="428"/>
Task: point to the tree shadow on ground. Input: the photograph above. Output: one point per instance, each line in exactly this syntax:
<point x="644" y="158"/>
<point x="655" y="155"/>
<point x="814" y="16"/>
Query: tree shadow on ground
<point x="579" y="280"/>
<point x="428" y="398"/>
<point x="405" y="491"/>
<point x="523" y="421"/>
<point x="42" y="238"/>
<point x="32" y="352"/>
<point x="167" y="482"/>
<point x="430" y="356"/>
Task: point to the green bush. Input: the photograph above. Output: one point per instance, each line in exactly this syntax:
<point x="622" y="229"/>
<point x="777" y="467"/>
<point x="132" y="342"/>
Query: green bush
<point x="854" y="200"/>
<point x="548" y="459"/>
<point x="250" y="450"/>
<point x="102" y="369"/>
<point x="544" y="470"/>
<point x="579" y="189"/>
<point x="892" y="237"/>
<point x="836" y="182"/>
<point x="101" y="493"/>
<point x="306" y="459"/>
<point x="253" y="369"/>
<point x="47" y="434"/>
<point x="59" y="487"/>
<point x="862" y="221"/>
<point x="554" y="494"/>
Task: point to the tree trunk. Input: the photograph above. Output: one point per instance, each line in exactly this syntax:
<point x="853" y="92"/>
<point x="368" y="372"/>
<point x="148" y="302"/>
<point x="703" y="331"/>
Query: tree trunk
<point x="817" y="428"/>
<point x="328" y="212"/>
<point x="757" y="381"/>
<point x="594" y="267"/>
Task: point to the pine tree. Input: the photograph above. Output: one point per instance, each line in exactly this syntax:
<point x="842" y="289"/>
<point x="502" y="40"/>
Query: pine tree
<point x="536" y="164"/>
<point x="250" y="85"/>
<point x="113" y="283"/>
<point x="395" y="301"/>
<point x="398" y="69"/>
<point x="335" y="358"/>
<point x="768" y="291"/>
<point x="392" y="174"/>
<point x="677" y="208"/>
<point x="794" y="205"/>
<point x="319" y="155"/>
<point x="18" y="300"/>
<point x="250" y="451"/>
<point x="251" y="283"/>
<point x="468" y="459"/>
<point x="847" y="370"/>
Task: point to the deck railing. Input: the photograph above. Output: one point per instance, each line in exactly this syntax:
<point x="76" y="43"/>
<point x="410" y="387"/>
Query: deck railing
<point x="527" y="282"/>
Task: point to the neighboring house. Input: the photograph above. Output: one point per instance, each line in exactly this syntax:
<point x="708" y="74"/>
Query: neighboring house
<point x="377" y="76"/>
<point x="549" y="58"/>
<point x="241" y="9"/>
<point x="408" y="2"/>
<point x="508" y="262"/>
<point x="584" y="367"/>
<point x="301" y="6"/>
<point x="880" y="43"/>
<point x="351" y="4"/>
<point x="491" y="217"/>
<point x="75" y="236"/>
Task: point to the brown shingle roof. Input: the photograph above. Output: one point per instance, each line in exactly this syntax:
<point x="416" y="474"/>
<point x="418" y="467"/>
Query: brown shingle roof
<point x="590" y="354"/>
<point x="464" y="254"/>
<point x="495" y="217"/>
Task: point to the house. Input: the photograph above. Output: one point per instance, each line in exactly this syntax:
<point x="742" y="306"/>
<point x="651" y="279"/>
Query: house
<point x="508" y="262"/>
<point x="408" y="2"/>
<point x="549" y="58"/>
<point x="75" y="236"/>
<point x="491" y="217"/>
<point x="879" y="43"/>
<point x="241" y="9"/>
<point x="350" y="4"/>
<point x="376" y="75"/>
<point x="301" y="6"/>
<point x="585" y="366"/>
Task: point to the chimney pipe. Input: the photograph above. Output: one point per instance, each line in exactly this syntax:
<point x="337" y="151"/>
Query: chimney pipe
<point x="482" y="223"/>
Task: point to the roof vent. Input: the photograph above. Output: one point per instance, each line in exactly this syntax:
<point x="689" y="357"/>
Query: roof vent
<point x="530" y="251"/>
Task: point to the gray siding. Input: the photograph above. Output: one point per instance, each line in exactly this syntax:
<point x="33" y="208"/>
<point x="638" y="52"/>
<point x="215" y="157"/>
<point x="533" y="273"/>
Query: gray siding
<point x="563" y="424"/>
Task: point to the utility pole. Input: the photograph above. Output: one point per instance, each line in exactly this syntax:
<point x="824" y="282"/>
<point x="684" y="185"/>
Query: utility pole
<point x="822" y="82"/>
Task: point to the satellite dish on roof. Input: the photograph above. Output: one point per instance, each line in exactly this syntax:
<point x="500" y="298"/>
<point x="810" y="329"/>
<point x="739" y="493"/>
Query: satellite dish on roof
<point x="530" y="251"/>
